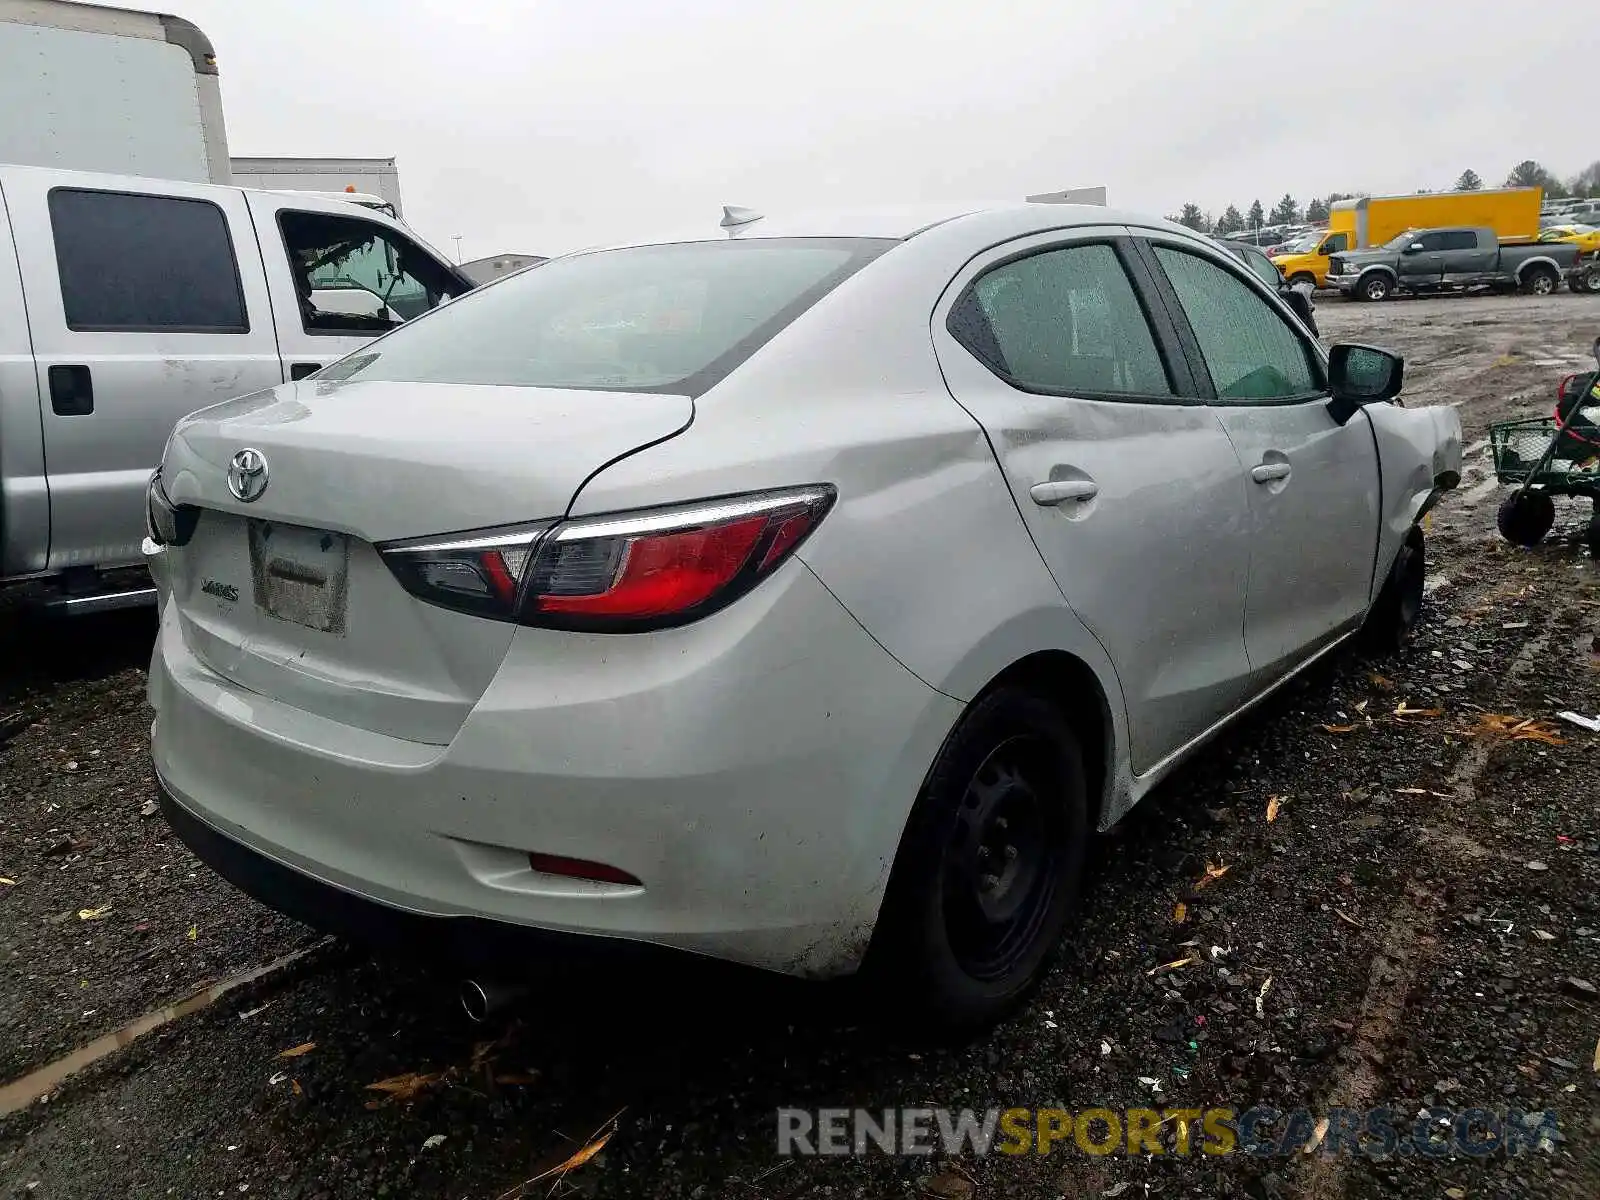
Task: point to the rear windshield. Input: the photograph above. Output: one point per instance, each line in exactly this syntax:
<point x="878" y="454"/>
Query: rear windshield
<point x="674" y="318"/>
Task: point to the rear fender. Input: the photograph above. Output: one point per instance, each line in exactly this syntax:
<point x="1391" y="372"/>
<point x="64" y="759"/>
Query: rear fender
<point x="1419" y="459"/>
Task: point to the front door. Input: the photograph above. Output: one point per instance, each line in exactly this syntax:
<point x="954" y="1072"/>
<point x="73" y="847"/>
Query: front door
<point x="340" y="277"/>
<point x="1131" y="494"/>
<point x="1312" y="483"/>
<point x="1422" y="268"/>
<point x="144" y="305"/>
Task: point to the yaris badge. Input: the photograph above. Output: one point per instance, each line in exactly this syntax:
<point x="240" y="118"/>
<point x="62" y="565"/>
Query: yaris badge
<point x="247" y="475"/>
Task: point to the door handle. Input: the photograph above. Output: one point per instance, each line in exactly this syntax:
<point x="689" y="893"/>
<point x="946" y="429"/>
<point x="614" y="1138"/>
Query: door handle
<point x="301" y="370"/>
<point x="1055" y="491"/>
<point x="71" y="391"/>
<point x="1268" y="471"/>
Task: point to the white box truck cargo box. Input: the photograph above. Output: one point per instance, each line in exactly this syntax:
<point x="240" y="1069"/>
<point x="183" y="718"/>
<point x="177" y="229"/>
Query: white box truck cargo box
<point x="91" y="88"/>
<point x="370" y="176"/>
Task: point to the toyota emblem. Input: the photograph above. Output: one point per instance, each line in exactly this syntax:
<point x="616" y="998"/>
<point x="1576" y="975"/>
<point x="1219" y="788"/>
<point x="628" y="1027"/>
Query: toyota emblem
<point x="247" y="474"/>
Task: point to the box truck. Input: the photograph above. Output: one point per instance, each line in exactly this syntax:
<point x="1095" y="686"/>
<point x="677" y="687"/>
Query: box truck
<point x="89" y="88"/>
<point x="361" y="180"/>
<point x="1367" y="221"/>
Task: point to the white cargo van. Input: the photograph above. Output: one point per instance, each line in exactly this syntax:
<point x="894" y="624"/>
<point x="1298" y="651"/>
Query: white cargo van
<point x="126" y="303"/>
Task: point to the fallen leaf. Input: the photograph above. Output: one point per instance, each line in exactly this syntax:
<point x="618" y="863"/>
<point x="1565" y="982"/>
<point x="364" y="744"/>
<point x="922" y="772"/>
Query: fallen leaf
<point x="298" y="1090"/>
<point x="1261" y="998"/>
<point x="194" y="932"/>
<point x="4" y="882"/>
<point x="436" y="1140"/>
<point x="1341" y="728"/>
<point x="1213" y="872"/>
<point x="1404" y="710"/>
<point x="1174" y="965"/>
<point x="1543" y="936"/>
<point x="1321" y="1132"/>
<point x="297" y="1051"/>
<point x="1411" y="791"/>
<point x="1518" y="729"/>
<point x="1382" y="682"/>
<point x="1597" y="1056"/>
<point x="1348" y="919"/>
<point x="93" y="914"/>
<point x="404" y="1088"/>
<point x="1180" y="912"/>
<point x="1274" y="803"/>
<point x="596" y="1144"/>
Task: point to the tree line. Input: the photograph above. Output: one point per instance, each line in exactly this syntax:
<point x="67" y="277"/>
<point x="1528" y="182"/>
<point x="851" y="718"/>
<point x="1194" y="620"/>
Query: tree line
<point x="1288" y="211"/>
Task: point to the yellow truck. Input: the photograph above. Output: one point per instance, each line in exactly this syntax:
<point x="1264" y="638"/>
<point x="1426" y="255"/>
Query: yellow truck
<point x="1513" y="213"/>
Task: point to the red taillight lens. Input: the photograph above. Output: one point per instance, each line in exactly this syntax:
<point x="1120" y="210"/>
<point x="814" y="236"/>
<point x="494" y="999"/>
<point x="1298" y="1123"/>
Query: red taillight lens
<point x="625" y="572"/>
<point x="666" y="566"/>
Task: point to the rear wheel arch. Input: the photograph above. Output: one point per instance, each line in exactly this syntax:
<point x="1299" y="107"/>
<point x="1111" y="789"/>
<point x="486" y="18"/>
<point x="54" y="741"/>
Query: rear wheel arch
<point x="1071" y="685"/>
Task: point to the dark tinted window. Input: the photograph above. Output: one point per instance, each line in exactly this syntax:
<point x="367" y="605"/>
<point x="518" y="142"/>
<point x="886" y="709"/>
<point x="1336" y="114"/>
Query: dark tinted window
<point x="674" y="318"/>
<point x="1263" y="267"/>
<point x="133" y="262"/>
<point x="1458" y="239"/>
<point x="1065" y="322"/>
<point x="1431" y="241"/>
<point x="1249" y="348"/>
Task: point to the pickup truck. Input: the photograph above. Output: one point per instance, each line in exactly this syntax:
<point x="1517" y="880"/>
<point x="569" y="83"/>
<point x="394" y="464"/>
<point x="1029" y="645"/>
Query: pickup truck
<point x="127" y="303"/>
<point x="1455" y="259"/>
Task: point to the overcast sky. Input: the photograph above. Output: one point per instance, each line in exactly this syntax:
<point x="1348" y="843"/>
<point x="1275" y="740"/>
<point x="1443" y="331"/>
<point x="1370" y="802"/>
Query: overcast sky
<point x="545" y="125"/>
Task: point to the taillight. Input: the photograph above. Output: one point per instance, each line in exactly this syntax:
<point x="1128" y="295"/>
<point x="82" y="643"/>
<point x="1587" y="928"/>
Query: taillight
<point x="168" y="524"/>
<point x="649" y="569"/>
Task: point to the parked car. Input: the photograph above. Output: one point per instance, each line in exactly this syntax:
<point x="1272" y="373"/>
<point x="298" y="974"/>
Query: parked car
<point x="126" y="303"/>
<point x="706" y="593"/>
<point x="1585" y="237"/>
<point x="1439" y="260"/>
<point x="1297" y="297"/>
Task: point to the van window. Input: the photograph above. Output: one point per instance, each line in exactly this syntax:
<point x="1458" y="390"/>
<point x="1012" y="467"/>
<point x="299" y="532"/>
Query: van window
<point x="132" y="263"/>
<point x="356" y="276"/>
<point x="1337" y="243"/>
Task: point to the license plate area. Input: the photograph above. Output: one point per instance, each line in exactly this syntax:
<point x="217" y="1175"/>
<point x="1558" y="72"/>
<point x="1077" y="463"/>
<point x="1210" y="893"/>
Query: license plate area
<point x="300" y="575"/>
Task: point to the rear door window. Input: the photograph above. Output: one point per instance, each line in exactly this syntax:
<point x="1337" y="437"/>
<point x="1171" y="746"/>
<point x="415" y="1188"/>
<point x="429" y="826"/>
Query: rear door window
<point x="1064" y="322"/>
<point x="1458" y="239"/>
<point x="672" y="318"/>
<point x="135" y="263"/>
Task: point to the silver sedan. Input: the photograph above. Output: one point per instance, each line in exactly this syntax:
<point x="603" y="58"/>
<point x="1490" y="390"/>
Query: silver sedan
<point x="800" y="594"/>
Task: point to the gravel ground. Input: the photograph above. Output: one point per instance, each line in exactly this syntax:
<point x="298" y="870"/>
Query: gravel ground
<point x="1425" y="905"/>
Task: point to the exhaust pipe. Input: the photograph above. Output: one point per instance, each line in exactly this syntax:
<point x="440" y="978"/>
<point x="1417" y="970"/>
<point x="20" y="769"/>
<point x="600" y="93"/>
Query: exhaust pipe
<point x="482" y="998"/>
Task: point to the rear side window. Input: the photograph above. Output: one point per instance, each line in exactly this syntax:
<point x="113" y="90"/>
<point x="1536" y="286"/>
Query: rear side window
<point x="670" y="318"/>
<point x="132" y="263"/>
<point x="1063" y="322"/>
<point x="1459" y="239"/>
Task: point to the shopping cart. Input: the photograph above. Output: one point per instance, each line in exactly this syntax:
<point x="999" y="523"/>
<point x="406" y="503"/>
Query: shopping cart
<point x="1545" y="457"/>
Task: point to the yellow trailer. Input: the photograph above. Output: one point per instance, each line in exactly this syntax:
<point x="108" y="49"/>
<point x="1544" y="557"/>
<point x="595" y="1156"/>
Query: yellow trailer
<point x="1372" y="220"/>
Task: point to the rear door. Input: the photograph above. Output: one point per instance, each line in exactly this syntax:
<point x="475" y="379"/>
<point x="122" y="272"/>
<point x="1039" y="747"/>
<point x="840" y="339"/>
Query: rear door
<point x="145" y="302"/>
<point x="1468" y="255"/>
<point x="1133" y="495"/>
<point x="340" y="276"/>
<point x="1312" y="483"/>
<point x="24" y="496"/>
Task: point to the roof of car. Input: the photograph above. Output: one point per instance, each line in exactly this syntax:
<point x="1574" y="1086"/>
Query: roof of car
<point x="896" y="222"/>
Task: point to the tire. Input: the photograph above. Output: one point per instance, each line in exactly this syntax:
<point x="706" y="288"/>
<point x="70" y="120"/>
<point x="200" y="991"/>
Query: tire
<point x="1525" y="517"/>
<point x="1587" y="283"/>
<point x="988" y="868"/>
<point x="1541" y="281"/>
<point x="1376" y="286"/>
<point x="1392" y="619"/>
<point x="1305" y="277"/>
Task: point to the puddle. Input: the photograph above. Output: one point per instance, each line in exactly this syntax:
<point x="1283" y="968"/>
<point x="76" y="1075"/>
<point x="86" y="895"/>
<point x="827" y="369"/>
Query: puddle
<point x="20" y="1093"/>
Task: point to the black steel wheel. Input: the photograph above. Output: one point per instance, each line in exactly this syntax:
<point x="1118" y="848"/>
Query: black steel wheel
<point x="988" y="868"/>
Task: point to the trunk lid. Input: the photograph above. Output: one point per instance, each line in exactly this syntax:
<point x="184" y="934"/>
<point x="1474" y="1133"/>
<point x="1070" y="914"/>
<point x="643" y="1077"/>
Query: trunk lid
<point x="287" y="597"/>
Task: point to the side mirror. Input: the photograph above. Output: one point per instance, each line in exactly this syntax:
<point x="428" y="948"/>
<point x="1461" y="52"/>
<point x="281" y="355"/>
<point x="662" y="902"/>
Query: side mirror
<point x="1360" y="375"/>
<point x="1414" y="248"/>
